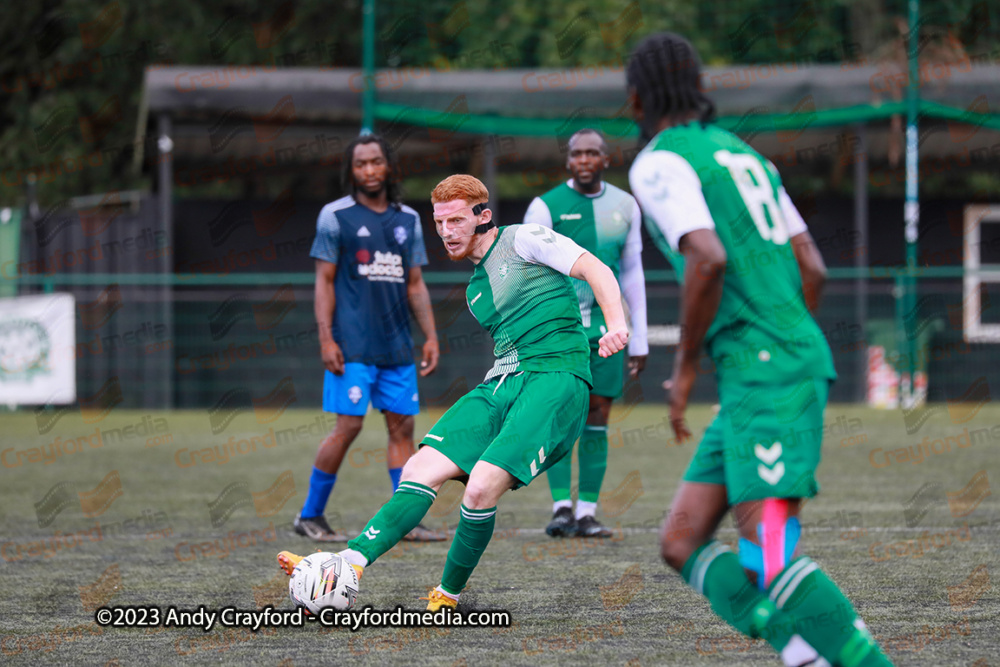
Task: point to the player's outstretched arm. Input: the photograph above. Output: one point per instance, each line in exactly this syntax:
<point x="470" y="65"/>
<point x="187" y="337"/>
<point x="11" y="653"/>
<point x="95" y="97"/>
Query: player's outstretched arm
<point x="420" y="304"/>
<point x="811" y="268"/>
<point x="704" y="270"/>
<point x="609" y="297"/>
<point x="543" y="246"/>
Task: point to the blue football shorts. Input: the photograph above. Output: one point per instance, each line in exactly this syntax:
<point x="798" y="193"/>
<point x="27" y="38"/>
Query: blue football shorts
<point x="392" y="388"/>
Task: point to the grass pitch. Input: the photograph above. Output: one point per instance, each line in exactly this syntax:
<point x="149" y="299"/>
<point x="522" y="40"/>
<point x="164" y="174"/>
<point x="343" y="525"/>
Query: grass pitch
<point x="156" y="514"/>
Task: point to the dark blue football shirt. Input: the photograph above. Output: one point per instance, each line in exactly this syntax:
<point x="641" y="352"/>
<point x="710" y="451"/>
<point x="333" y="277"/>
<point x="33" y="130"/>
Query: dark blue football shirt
<point x="373" y="253"/>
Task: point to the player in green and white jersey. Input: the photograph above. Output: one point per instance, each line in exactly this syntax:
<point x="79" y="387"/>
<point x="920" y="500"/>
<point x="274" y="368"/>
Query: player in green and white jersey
<point x="751" y="274"/>
<point x="606" y="221"/>
<point x="530" y="408"/>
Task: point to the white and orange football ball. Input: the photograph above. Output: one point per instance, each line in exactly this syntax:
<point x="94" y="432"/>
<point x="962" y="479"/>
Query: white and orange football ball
<point x="323" y="580"/>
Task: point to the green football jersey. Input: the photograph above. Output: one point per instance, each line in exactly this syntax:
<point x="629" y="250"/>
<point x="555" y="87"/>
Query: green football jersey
<point x="521" y="294"/>
<point x="601" y="224"/>
<point x="702" y="177"/>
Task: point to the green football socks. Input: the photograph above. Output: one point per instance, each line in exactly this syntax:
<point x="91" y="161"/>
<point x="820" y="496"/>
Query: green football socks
<point x="559" y="474"/>
<point x="475" y="529"/>
<point x="592" y="452"/>
<point x="826" y="618"/>
<point x="593" y="461"/>
<point x="715" y="571"/>
<point x="395" y="519"/>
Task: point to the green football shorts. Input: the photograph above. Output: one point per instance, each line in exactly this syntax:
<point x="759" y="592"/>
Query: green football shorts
<point x="522" y="422"/>
<point x="765" y="442"/>
<point x="608" y="373"/>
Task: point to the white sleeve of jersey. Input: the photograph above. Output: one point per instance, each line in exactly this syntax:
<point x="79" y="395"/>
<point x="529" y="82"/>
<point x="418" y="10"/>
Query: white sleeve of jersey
<point x="633" y="282"/>
<point x="541" y="245"/>
<point x="538" y="213"/>
<point x="793" y="220"/>
<point x="633" y="242"/>
<point x="669" y="192"/>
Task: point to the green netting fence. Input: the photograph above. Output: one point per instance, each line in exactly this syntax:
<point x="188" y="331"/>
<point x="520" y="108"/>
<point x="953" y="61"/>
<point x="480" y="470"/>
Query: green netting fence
<point x="622" y="127"/>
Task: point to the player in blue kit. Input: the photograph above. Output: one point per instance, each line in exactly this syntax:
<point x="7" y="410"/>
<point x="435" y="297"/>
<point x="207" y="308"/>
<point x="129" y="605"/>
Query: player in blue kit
<point x="368" y="250"/>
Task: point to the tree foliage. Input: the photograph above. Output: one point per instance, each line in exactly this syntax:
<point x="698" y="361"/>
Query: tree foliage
<point x="71" y="71"/>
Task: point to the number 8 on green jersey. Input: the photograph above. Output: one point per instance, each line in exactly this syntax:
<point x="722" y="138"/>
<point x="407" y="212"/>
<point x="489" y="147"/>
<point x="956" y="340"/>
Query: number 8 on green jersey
<point x="772" y="362"/>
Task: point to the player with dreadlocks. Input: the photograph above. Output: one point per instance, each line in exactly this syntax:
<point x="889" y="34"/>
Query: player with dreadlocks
<point x="751" y="276"/>
<point x="369" y="248"/>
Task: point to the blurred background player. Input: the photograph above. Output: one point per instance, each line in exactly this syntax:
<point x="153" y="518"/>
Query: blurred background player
<point x="605" y="221"/>
<point x="364" y="323"/>
<point x="751" y="276"/>
<point x="530" y="408"/>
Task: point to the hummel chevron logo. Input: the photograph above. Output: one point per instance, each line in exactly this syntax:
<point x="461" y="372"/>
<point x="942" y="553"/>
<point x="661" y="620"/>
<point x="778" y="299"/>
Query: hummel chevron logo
<point x="546" y="234"/>
<point x="768" y="454"/>
<point x="364" y="231"/>
<point x="371" y="533"/>
<point x="772" y="477"/>
<point x="541" y="459"/>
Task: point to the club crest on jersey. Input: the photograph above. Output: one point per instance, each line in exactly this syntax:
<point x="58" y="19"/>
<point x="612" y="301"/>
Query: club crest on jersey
<point x="354" y="393"/>
<point x="400" y="234"/>
<point x="504" y="269"/>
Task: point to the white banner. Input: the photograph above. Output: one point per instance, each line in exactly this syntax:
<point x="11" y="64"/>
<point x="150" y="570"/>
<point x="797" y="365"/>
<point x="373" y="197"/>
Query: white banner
<point x="37" y="350"/>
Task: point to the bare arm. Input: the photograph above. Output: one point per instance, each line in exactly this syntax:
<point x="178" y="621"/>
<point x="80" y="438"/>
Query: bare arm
<point x="811" y="267"/>
<point x="420" y="304"/>
<point x="323" y="308"/>
<point x="704" y="271"/>
<point x="609" y="297"/>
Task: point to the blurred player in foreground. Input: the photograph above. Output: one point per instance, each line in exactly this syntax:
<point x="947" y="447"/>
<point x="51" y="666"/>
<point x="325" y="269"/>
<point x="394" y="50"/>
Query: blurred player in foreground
<point x="604" y="220"/>
<point x="364" y="323"/>
<point x="751" y="276"/>
<point x="530" y="408"/>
